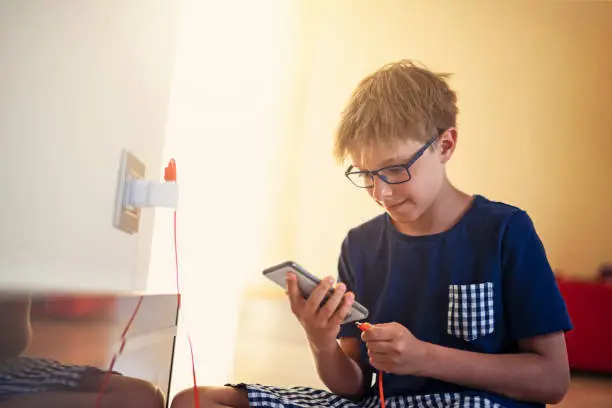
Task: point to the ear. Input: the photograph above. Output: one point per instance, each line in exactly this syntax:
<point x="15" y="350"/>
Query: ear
<point x="447" y="144"/>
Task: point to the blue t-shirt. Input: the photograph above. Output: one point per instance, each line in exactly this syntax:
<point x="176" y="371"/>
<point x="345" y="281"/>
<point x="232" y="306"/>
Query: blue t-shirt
<point x="480" y="286"/>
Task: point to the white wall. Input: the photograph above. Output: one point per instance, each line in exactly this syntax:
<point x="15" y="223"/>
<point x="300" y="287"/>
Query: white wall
<point x="79" y="81"/>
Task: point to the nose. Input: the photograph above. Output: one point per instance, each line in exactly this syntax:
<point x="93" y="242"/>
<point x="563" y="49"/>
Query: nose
<point x="380" y="189"/>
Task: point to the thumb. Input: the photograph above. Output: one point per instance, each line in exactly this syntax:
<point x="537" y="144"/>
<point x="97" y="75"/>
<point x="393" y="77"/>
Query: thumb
<point x="380" y="331"/>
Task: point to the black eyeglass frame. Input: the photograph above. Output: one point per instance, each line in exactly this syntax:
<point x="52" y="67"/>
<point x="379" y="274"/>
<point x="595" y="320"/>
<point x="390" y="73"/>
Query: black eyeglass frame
<point x="348" y="173"/>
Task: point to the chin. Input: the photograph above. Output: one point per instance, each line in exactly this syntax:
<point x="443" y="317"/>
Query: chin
<point x="405" y="214"/>
<point x="403" y="219"/>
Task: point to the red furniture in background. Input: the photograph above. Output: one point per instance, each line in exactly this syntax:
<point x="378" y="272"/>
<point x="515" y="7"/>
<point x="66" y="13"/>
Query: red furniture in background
<point x="589" y="345"/>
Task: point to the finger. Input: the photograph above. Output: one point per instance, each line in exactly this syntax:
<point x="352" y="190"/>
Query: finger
<point x="379" y="332"/>
<point x="345" y="307"/>
<point x="380" y="347"/>
<point x="379" y="362"/>
<point x="295" y="296"/>
<point x="379" y="357"/>
<point x="318" y="294"/>
<point x="333" y="302"/>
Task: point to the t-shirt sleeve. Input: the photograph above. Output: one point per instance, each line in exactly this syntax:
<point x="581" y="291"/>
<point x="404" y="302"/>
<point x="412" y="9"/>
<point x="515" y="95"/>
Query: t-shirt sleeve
<point x="346" y="275"/>
<point x="533" y="304"/>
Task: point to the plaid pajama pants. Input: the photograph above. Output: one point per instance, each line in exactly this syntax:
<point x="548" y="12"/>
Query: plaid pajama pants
<point x="305" y="397"/>
<point x="28" y="375"/>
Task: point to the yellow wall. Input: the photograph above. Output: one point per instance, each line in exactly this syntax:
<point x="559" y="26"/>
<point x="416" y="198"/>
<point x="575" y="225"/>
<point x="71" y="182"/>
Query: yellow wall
<point x="534" y="81"/>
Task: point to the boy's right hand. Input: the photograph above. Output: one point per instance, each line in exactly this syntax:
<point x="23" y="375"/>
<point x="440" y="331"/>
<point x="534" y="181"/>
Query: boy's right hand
<point x="321" y="323"/>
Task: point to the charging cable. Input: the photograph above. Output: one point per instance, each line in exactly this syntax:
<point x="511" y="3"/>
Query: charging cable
<point x="365" y="327"/>
<point x="170" y="177"/>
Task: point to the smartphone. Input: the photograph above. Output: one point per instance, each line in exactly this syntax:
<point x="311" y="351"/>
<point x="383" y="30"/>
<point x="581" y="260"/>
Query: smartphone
<point x="307" y="282"/>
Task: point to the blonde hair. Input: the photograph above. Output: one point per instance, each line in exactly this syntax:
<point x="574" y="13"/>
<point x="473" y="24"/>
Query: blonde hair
<point x="400" y="101"/>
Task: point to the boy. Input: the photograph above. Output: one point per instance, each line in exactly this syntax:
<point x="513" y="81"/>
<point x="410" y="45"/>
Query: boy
<point x="463" y="302"/>
<point x="29" y="382"/>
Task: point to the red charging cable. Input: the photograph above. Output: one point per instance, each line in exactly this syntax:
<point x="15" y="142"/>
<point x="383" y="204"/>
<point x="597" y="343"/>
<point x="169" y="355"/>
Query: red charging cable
<point x="169" y="177"/>
<point x="365" y="327"/>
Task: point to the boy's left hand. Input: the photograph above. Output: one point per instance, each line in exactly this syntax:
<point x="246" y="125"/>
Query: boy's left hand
<point x="393" y="349"/>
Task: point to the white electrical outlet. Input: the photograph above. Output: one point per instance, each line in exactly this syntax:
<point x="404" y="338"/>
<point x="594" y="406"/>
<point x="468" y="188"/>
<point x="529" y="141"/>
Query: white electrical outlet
<point x="127" y="218"/>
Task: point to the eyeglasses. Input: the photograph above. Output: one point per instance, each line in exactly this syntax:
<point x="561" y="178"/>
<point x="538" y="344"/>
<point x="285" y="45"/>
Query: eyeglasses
<point x="395" y="174"/>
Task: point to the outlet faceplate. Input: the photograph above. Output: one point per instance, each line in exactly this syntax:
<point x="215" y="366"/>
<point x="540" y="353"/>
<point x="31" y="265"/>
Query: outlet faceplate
<point x="127" y="218"/>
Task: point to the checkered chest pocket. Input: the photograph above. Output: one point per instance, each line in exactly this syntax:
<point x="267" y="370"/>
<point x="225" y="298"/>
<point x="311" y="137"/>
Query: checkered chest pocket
<point x="470" y="310"/>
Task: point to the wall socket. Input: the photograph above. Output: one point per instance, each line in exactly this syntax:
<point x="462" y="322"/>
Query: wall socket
<point x="127" y="218"/>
